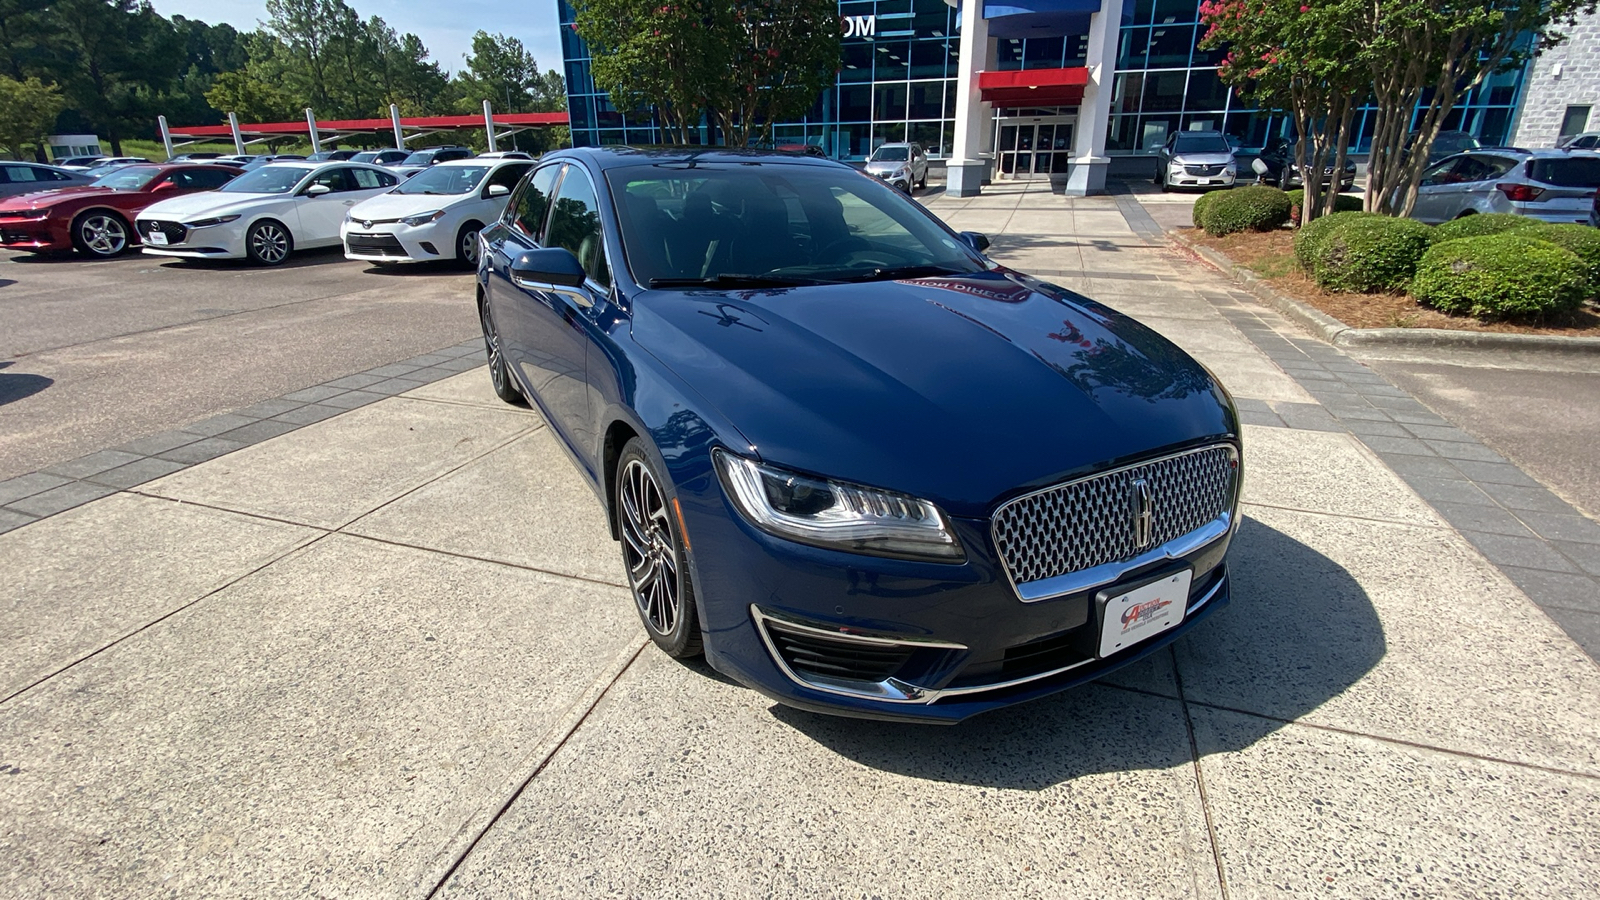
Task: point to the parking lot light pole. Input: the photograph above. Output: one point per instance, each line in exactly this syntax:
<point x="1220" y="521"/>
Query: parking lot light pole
<point x="399" y="134"/>
<point x="488" y="124"/>
<point x="238" y="141"/>
<point x="311" y="126"/>
<point x="166" y="136"/>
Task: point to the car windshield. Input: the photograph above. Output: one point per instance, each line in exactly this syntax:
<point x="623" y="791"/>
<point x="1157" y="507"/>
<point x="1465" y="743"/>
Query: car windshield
<point x="419" y="158"/>
<point x="267" y="180"/>
<point x="1201" y="143"/>
<point x="889" y="154"/>
<point x="723" y="224"/>
<point x="127" y="178"/>
<point x="1453" y="142"/>
<point x="444" y="180"/>
<point x="1577" y="171"/>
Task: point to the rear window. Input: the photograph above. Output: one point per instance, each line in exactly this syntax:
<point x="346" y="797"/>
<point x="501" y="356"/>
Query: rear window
<point x="1575" y="172"/>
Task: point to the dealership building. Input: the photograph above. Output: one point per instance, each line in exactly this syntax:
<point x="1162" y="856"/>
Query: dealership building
<point x="1072" y="90"/>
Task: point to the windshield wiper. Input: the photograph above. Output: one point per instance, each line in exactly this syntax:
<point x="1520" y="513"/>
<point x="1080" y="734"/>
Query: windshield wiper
<point x="733" y="280"/>
<point x="897" y="272"/>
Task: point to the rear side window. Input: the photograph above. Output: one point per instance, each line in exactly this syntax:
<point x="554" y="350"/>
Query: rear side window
<point x="1573" y="172"/>
<point x="528" y="212"/>
<point x="19" y="174"/>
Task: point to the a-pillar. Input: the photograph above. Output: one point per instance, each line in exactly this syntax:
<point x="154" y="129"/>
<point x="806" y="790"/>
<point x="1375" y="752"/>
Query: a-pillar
<point x="1087" y="174"/>
<point x="969" y="164"/>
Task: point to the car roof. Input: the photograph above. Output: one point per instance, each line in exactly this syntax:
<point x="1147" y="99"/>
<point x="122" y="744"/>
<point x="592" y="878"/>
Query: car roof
<point x="614" y="156"/>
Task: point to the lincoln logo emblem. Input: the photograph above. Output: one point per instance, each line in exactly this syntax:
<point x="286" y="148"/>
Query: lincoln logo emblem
<point x="1143" y="513"/>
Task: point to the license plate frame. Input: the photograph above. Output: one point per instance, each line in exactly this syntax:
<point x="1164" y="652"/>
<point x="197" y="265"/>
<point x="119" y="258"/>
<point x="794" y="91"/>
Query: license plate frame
<point x="1133" y="614"/>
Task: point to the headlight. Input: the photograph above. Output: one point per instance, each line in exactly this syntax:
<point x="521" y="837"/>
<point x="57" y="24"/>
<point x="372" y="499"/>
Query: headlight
<point x="24" y="213"/>
<point x="898" y="173"/>
<point x="207" y="223"/>
<point x="423" y="218"/>
<point x="837" y="515"/>
<point x="1231" y="167"/>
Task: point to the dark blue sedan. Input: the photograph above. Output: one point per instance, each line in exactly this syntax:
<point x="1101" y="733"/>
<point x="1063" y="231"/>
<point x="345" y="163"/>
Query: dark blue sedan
<point x="862" y="468"/>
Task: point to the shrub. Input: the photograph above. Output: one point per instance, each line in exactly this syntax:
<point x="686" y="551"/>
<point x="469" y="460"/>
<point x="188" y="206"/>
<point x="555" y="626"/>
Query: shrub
<point x="1369" y="253"/>
<point x="1201" y="204"/>
<point x="1482" y="224"/>
<point x="1500" y="276"/>
<point x="1345" y="203"/>
<point x="1580" y="239"/>
<point x="1253" y="208"/>
<point x="1307" y="238"/>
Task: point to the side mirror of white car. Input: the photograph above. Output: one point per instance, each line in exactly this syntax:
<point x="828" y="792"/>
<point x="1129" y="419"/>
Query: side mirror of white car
<point x="317" y="190"/>
<point x="498" y="190"/>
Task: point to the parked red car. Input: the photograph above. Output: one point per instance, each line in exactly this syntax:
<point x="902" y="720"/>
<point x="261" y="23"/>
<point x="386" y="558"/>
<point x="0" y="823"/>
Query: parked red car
<point x="97" y="219"/>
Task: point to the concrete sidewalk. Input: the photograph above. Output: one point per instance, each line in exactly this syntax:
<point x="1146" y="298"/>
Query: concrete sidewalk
<point x="390" y="653"/>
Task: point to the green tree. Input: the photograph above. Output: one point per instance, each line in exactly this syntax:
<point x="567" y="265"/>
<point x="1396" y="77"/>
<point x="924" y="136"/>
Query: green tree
<point x="117" y="56"/>
<point x="654" y="55"/>
<point x="502" y="71"/>
<point x="1295" y="55"/>
<point x="28" y="110"/>
<point x="778" y="56"/>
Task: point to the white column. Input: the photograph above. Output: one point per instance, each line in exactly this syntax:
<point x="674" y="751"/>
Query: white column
<point x="399" y="133"/>
<point x="969" y="162"/>
<point x="488" y="124"/>
<point x="1087" y="172"/>
<point x="238" y="139"/>
<point x="311" y="128"/>
<point x="166" y="136"/>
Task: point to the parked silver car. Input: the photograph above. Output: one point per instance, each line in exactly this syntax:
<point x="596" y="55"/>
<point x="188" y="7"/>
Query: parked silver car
<point x="1196" y="159"/>
<point x="1550" y="185"/>
<point x="26" y="178"/>
<point x="903" y="165"/>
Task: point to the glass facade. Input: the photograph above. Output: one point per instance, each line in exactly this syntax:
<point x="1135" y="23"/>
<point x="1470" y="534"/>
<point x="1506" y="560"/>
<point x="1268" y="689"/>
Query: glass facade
<point x="898" y="83"/>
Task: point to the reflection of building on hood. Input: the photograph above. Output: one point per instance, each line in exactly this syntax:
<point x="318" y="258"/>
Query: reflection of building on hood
<point x="1010" y="293"/>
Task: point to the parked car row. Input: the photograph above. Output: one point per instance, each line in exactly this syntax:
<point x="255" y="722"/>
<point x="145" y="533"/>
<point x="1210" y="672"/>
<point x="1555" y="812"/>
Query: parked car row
<point x="206" y="210"/>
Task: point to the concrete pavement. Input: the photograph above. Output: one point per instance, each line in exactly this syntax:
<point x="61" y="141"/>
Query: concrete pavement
<point x="388" y="653"/>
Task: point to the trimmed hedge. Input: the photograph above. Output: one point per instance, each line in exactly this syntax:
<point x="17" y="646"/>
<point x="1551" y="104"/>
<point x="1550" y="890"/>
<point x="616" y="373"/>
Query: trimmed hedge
<point x="1345" y="203"/>
<point x="1500" y="276"/>
<point x="1363" y="254"/>
<point x="1482" y="224"/>
<point x="1253" y="208"/>
<point x="1580" y="239"/>
<point x="1308" y="237"/>
<point x="1201" y="204"/>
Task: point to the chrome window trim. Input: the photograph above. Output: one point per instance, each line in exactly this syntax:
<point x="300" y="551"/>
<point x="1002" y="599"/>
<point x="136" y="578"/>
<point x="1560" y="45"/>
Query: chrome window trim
<point x="1106" y="573"/>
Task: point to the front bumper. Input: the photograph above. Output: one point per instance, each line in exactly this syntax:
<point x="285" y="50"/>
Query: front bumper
<point x="223" y="241"/>
<point x="902" y="180"/>
<point x="394" y="242"/>
<point x="34" y="235"/>
<point x="1177" y="177"/>
<point x="875" y="638"/>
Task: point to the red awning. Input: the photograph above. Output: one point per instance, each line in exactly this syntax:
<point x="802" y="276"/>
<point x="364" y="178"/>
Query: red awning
<point x="1034" y="87"/>
<point x="364" y="125"/>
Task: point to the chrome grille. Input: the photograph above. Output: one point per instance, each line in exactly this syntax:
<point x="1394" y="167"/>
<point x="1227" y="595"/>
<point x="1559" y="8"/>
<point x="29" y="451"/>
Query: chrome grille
<point x="1205" y="170"/>
<point x="1093" y="521"/>
<point x="175" y="231"/>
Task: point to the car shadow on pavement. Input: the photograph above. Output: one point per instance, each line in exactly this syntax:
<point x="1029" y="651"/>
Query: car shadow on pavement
<point x="429" y="269"/>
<point x="299" y="259"/>
<point x="15" y="386"/>
<point x="1298" y="632"/>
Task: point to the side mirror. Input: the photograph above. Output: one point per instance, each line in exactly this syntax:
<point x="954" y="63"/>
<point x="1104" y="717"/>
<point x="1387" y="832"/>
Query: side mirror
<point x="499" y="190"/>
<point x="975" y="240"/>
<point x="1259" y="167"/>
<point x="547" y="269"/>
<point x="317" y="190"/>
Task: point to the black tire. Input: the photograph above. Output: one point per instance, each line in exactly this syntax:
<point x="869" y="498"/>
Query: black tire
<point x="101" y="234"/>
<point x="268" y="243"/>
<point x="1284" y="181"/>
<point x="923" y="182"/>
<point x="467" y="246"/>
<point x="653" y="554"/>
<point x="505" y="387"/>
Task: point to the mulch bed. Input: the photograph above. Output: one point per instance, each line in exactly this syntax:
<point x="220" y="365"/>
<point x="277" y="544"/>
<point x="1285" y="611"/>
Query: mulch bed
<point x="1271" y="255"/>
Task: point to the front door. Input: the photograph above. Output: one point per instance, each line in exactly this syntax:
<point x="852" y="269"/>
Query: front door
<point x="1033" y="148"/>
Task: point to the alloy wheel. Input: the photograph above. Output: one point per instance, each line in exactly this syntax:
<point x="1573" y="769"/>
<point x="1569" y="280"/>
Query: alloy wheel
<point x="491" y="343"/>
<point x="269" y="243"/>
<point x="648" y="547"/>
<point x="104" y="235"/>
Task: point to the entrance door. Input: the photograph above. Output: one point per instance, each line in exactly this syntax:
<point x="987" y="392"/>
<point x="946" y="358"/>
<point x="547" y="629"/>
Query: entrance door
<point x="1033" y="148"/>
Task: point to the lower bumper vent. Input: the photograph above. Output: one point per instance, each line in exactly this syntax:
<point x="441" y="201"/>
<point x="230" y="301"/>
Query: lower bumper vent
<point x="812" y="654"/>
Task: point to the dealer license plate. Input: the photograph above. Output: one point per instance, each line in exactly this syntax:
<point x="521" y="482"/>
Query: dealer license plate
<point x="1204" y="181"/>
<point x="157" y="237"/>
<point x="1144" y="612"/>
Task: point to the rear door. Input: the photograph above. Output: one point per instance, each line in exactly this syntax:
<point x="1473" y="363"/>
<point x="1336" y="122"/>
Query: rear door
<point x="1440" y="193"/>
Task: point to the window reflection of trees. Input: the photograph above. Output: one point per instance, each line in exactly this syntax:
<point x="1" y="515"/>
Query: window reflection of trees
<point x="1152" y="371"/>
<point x="576" y="227"/>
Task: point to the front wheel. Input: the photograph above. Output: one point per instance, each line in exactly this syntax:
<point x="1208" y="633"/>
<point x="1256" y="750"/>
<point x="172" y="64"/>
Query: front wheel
<point x="467" y="246"/>
<point x="654" y="553"/>
<point x="100" y="234"/>
<point x="268" y="243"/>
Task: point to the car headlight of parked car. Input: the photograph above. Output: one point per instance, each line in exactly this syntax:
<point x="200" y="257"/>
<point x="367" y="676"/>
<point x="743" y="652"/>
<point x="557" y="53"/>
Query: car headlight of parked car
<point x="423" y="218"/>
<point x="836" y="515"/>
<point x="207" y="223"/>
<point x="25" y="213"/>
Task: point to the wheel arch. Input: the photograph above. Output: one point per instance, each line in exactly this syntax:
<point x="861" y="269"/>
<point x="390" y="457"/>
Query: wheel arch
<point x="617" y="435"/>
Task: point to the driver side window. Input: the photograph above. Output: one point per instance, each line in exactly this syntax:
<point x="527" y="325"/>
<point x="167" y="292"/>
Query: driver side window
<point x="334" y="179"/>
<point x="575" y="224"/>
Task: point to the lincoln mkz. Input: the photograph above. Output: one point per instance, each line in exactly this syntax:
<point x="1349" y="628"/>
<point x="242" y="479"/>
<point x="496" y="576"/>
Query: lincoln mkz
<point x="864" y="469"/>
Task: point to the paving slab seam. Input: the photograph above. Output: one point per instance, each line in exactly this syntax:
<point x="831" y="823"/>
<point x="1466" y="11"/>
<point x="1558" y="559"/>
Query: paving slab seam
<point x="1333" y="515"/>
<point x="1458" y="476"/>
<point x="1199" y="775"/>
<point x="1334" y="729"/>
<point x="32" y="496"/>
<point x="577" y="713"/>
<point x="292" y="551"/>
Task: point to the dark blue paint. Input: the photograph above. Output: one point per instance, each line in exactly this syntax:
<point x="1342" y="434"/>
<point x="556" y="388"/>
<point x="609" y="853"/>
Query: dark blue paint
<point x="964" y="390"/>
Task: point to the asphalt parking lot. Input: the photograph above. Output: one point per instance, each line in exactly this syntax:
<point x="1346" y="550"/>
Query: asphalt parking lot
<point x="389" y="653"/>
<point x="94" y="354"/>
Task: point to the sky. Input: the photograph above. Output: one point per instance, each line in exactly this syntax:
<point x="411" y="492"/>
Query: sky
<point x="446" y="28"/>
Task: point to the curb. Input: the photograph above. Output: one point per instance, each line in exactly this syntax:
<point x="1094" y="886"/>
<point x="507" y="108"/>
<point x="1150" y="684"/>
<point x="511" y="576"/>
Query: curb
<point x="1337" y="333"/>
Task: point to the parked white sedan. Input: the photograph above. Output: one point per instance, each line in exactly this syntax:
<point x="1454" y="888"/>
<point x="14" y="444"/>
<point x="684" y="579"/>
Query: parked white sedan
<point x="262" y="215"/>
<point x="435" y="214"/>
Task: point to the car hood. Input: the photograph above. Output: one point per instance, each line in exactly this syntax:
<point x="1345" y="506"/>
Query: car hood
<point x="1203" y="159"/>
<point x="878" y="167"/>
<point x="39" y="199"/>
<point x="961" y="390"/>
<point x="206" y="204"/>
<point x="394" y="206"/>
